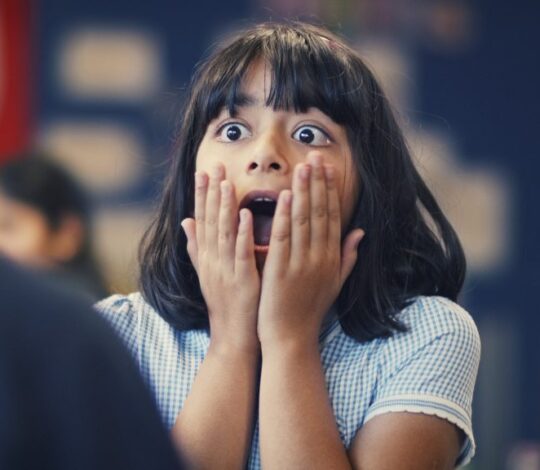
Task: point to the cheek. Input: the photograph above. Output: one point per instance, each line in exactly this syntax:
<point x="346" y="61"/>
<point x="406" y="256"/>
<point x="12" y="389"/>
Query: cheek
<point x="203" y="159"/>
<point x="209" y="155"/>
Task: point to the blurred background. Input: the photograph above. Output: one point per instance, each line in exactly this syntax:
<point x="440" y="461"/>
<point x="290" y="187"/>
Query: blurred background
<point x="97" y="85"/>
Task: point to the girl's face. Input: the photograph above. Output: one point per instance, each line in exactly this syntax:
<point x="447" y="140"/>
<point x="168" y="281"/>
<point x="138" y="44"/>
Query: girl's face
<point x="260" y="146"/>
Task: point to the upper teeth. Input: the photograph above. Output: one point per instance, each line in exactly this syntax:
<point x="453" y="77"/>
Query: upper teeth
<point x="263" y="199"/>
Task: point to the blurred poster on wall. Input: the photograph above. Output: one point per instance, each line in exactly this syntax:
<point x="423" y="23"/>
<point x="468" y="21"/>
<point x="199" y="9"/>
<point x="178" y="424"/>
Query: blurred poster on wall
<point x="15" y="76"/>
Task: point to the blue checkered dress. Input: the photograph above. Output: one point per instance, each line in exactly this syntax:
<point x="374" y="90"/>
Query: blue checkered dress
<point x="430" y="369"/>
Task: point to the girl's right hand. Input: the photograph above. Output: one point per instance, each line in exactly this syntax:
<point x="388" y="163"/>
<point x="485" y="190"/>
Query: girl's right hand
<point x="222" y="252"/>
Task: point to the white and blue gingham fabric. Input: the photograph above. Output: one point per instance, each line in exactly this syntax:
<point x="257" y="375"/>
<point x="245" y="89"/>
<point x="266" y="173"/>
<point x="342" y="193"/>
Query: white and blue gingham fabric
<point x="430" y="369"/>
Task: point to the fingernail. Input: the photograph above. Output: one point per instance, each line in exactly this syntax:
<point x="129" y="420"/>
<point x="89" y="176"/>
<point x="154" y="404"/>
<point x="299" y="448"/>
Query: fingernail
<point x="305" y="171"/>
<point x="244" y="215"/>
<point x="316" y="159"/>
<point x="216" y="171"/>
<point x="330" y="172"/>
<point x="199" y="179"/>
<point x="286" y="196"/>
<point x="225" y="188"/>
<point x="359" y="239"/>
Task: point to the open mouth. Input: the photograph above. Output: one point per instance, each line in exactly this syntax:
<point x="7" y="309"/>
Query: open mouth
<point x="262" y="205"/>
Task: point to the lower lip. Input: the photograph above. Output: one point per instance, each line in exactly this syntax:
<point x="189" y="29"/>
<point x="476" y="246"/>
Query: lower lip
<point x="261" y="248"/>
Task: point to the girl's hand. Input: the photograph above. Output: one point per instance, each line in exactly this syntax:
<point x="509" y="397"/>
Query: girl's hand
<point x="222" y="252"/>
<point x="306" y="265"/>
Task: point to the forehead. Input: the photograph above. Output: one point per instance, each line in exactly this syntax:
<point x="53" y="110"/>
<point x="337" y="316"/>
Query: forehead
<point x="254" y="93"/>
<point x="261" y="85"/>
<point x="256" y="84"/>
<point x="289" y="72"/>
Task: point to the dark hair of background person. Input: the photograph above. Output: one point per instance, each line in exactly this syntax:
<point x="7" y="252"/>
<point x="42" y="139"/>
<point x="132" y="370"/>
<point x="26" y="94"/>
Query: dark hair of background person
<point x="400" y="256"/>
<point x="71" y="396"/>
<point x="33" y="179"/>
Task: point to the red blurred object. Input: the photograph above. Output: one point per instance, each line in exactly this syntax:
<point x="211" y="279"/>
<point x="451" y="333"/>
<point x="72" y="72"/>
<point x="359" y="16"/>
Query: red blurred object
<point x="15" y="76"/>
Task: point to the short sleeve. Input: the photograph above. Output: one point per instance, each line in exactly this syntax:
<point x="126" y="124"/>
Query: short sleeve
<point x="432" y="367"/>
<point x="120" y="314"/>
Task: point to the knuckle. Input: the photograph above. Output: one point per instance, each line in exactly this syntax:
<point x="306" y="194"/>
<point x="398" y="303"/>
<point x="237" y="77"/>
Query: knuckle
<point x="280" y="236"/>
<point x="211" y="221"/>
<point x="242" y="255"/>
<point x="334" y="214"/>
<point x="224" y="235"/>
<point x="300" y="219"/>
<point x="319" y="211"/>
<point x="214" y="185"/>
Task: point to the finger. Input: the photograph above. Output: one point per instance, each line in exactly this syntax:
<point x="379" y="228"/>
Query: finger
<point x="300" y="211"/>
<point x="245" y="245"/>
<point x="201" y="187"/>
<point x="213" y="197"/>
<point x="319" y="205"/>
<point x="227" y="223"/>
<point x="334" y="212"/>
<point x="280" y="238"/>
<point x="191" y="234"/>
<point x="349" y="253"/>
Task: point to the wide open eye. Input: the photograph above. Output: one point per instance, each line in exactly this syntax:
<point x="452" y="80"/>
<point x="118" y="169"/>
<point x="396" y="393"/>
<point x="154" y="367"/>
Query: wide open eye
<point x="232" y="132"/>
<point x="311" y="135"/>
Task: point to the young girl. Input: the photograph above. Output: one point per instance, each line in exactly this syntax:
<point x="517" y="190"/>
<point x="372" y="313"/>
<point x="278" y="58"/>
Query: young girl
<point x="298" y="284"/>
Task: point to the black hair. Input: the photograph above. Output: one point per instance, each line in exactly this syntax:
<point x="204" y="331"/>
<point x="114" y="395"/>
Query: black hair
<point x="409" y="249"/>
<point x="33" y="179"/>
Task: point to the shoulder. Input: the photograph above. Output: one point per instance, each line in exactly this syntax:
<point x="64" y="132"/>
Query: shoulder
<point x="130" y="315"/>
<point x="438" y="314"/>
<point x="429" y="318"/>
<point x="431" y="368"/>
<point x="119" y="304"/>
<point x="122" y="309"/>
<point x="143" y="328"/>
<point x="436" y="327"/>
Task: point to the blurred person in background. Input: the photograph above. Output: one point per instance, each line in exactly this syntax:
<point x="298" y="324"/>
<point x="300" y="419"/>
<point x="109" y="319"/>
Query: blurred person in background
<point x="45" y="223"/>
<point x="71" y="396"/>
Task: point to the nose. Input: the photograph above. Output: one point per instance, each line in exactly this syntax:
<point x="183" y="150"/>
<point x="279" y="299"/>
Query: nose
<point x="269" y="155"/>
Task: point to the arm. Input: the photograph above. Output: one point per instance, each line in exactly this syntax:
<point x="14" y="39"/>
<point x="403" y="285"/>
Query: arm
<point x="408" y="441"/>
<point x="422" y="402"/>
<point x="300" y="425"/>
<point x="297" y="426"/>
<point x="214" y="428"/>
<point x="303" y="275"/>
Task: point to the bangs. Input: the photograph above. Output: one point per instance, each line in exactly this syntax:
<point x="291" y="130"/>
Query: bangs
<point x="307" y="70"/>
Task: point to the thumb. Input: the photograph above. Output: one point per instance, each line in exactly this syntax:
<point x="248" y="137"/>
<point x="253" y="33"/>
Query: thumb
<point x="349" y="253"/>
<point x="189" y="229"/>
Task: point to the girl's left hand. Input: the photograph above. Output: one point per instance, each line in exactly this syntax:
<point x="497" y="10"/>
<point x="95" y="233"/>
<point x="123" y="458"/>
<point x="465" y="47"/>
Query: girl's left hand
<point x="306" y="265"/>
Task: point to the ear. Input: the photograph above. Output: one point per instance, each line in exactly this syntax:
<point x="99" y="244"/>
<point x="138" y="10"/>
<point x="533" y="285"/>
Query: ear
<point x="67" y="239"/>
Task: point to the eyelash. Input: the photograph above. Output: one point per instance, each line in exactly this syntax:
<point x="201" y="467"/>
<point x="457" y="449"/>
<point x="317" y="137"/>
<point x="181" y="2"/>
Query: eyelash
<point x="222" y="127"/>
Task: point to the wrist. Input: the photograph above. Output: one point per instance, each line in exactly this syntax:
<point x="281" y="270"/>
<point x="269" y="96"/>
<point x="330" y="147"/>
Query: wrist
<point x="290" y="346"/>
<point x="235" y="348"/>
<point x="291" y="330"/>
